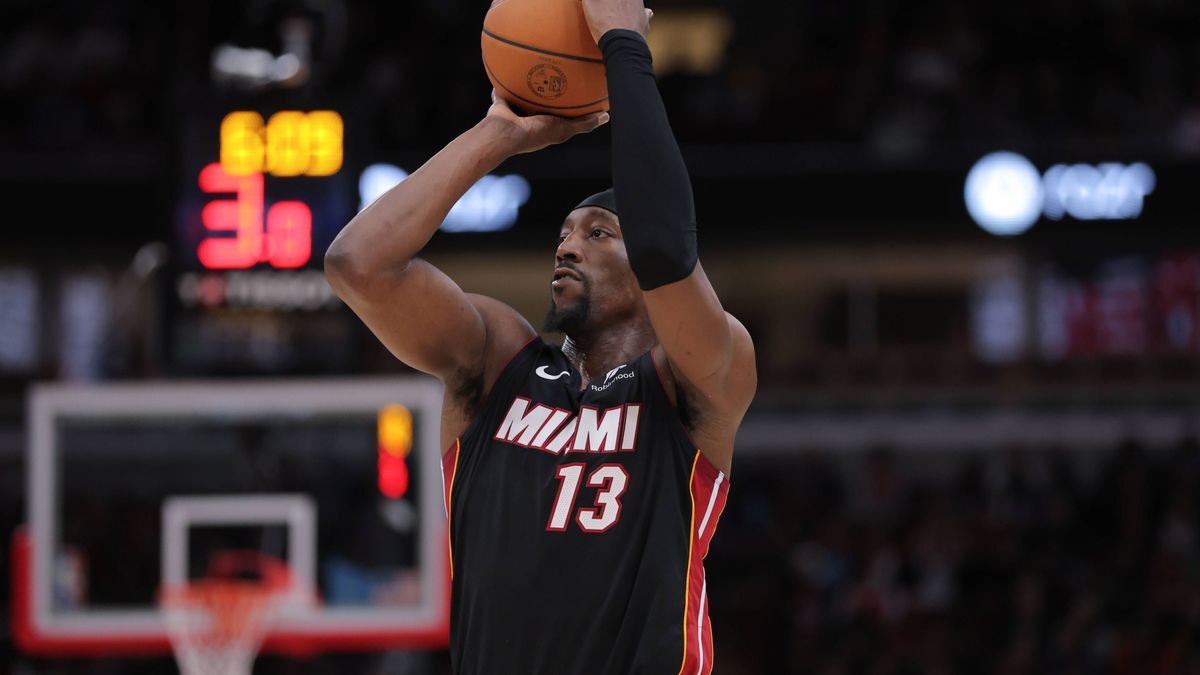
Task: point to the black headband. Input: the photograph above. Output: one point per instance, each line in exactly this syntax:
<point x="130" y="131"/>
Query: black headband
<point x="606" y="200"/>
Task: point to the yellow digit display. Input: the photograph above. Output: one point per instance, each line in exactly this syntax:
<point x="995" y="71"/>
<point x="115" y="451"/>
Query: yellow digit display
<point x="287" y="144"/>
<point x="325" y="127"/>
<point x="292" y="143"/>
<point x="242" y="149"/>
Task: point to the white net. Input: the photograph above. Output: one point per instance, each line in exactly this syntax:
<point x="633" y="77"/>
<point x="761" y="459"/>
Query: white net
<point x="217" y="626"/>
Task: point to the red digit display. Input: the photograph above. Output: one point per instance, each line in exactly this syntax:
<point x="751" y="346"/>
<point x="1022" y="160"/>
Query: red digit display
<point x="289" y="235"/>
<point x="285" y="243"/>
<point x="243" y="216"/>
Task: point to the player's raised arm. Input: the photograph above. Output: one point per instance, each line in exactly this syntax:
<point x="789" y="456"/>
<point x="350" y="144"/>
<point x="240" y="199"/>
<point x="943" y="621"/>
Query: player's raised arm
<point x="418" y="312"/>
<point x="707" y="348"/>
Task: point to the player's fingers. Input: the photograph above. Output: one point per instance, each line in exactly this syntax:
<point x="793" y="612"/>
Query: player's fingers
<point x="591" y="122"/>
<point x="499" y="102"/>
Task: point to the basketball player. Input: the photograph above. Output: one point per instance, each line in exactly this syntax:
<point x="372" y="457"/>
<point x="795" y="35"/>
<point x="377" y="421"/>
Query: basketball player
<point x="583" y="483"/>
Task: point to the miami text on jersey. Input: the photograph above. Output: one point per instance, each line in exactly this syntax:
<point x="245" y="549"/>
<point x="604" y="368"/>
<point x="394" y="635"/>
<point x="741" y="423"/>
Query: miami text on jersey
<point x="557" y="431"/>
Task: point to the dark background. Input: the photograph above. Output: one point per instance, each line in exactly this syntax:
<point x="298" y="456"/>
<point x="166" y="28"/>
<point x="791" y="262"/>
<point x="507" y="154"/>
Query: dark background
<point x="908" y="497"/>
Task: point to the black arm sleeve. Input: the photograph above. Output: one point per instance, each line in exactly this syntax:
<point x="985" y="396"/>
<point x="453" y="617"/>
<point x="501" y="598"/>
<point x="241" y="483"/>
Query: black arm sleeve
<point x="653" y="191"/>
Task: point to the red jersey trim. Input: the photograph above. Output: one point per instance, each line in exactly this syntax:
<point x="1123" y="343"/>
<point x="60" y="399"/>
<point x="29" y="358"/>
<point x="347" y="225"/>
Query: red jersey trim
<point x="709" y="491"/>
<point x="449" y="471"/>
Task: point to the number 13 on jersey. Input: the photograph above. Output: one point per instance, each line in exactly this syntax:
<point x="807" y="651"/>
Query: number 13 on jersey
<point x="612" y="479"/>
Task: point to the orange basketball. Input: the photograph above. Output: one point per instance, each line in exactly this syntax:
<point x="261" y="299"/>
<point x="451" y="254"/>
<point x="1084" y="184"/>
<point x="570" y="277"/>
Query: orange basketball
<point x="541" y="57"/>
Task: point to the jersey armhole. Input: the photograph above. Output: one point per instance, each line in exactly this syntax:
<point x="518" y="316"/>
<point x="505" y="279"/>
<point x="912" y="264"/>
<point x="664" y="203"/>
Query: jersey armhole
<point x="503" y="381"/>
<point x="709" y="468"/>
<point x="666" y="398"/>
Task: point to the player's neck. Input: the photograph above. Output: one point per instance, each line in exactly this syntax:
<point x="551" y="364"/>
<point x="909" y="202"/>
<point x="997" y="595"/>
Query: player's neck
<point x="597" y="352"/>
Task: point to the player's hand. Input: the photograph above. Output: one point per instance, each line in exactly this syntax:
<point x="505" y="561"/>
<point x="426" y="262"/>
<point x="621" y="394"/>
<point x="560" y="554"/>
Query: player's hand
<point x="532" y="133"/>
<point x="605" y="15"/>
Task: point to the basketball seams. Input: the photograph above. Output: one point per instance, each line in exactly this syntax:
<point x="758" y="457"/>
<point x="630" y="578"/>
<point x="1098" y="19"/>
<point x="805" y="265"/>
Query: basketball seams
<point x="547" y="52"/>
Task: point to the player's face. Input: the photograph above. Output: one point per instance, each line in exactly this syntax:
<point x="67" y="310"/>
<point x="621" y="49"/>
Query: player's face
<point x="592" y="281"/>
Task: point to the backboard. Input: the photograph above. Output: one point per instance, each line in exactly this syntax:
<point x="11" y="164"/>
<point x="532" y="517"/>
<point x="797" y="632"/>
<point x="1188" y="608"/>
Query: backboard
<point x="132" y="486"/>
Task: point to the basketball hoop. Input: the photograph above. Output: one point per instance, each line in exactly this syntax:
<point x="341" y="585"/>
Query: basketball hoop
<point x="217" y="624"/>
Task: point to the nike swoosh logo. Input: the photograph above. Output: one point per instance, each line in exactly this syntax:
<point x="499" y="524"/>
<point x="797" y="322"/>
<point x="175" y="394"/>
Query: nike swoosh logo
<point x="545" y="374"/>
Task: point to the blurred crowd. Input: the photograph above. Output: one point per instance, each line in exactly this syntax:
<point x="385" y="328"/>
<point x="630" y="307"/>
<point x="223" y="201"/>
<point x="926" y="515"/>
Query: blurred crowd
<point x="1030" y="562"/>
<point x="80" y="75"/>
<point x="901" y="76"/>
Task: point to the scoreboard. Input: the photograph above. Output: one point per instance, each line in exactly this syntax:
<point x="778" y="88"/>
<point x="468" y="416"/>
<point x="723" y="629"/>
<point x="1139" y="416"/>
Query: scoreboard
<point x="261" y="195"/>
<point x="272" y="196"/>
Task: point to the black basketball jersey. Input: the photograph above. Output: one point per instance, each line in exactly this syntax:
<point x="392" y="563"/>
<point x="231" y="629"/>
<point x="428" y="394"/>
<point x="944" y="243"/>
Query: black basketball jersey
<point x="579" y="522"/>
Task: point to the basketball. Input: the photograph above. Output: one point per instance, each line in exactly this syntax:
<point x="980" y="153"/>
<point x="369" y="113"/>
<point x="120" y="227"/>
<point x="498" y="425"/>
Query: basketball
<point x="541" y="57"/>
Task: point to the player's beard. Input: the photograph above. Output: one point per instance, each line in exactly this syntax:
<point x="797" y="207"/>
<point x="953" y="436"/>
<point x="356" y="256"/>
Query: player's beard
<point x="571" y="318"/>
